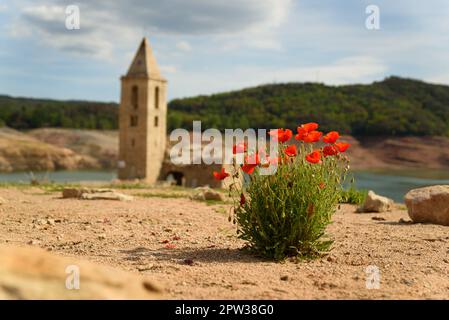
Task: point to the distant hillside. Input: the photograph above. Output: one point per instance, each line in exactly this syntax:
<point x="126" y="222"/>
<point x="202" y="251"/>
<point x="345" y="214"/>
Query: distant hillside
<point x="28" y="113"/>
<point x="393" y="107"/>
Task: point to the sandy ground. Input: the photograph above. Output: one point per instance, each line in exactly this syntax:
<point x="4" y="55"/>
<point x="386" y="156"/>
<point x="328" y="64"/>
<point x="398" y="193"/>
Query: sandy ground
<point x="413" y="259"/>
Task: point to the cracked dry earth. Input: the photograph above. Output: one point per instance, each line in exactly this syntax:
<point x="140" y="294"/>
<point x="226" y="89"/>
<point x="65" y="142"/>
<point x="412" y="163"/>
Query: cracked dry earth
<point x="190" y="248"/>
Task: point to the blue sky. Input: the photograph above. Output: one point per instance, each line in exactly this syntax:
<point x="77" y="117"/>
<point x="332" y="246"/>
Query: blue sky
<point x="207" y="46"/>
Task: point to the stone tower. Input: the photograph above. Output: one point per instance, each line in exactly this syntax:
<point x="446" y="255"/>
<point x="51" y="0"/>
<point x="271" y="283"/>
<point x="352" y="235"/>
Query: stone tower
<point x="142" y="118"/>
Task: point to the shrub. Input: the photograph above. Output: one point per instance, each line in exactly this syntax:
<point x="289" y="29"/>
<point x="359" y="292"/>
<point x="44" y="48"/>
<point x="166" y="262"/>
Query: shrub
<point x="286" y="213"/>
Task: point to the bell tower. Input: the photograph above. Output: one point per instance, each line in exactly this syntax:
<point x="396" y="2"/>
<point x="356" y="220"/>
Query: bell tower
<point x="142" y="118"/>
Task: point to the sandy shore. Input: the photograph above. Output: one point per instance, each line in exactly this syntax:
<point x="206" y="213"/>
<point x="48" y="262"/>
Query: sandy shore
<point x="204" y="261"/>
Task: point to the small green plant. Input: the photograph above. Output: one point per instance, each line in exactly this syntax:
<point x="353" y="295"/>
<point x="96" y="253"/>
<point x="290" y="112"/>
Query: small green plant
<point x="57" y="187"/>
<point x="353" y="196"/>
<point x="286" y="213"/>
<point x="128" y="185"/>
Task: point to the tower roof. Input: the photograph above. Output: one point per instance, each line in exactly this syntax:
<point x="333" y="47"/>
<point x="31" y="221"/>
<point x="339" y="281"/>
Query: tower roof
<point x="144" y="63"/>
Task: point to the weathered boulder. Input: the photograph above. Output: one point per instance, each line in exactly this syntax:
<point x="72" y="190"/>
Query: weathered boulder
<point x="206" y="193"/>
<point x="429" y="204"/>
<point x="33" y="273"/>
<point x="376" y="203"/>
<point x="94" y="194"/>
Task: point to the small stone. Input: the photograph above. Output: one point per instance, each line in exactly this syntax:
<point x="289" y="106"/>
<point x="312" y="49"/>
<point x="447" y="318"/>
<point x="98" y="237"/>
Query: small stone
<point x="407" y="282"/>
<point x="144" y="268"/>
<point x="378" y="218"/>
<point x="102" y="236"/>
<point x="188" y="262"/>
<point x="51" y="222"/>
<point x="284" y="278"/>
<point x="34" y="242"/>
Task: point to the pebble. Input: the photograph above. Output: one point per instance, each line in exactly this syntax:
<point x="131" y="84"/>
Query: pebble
<point x="188" y="262"/>
<point x="407" y="282"/>
<point x="284" y="278"/>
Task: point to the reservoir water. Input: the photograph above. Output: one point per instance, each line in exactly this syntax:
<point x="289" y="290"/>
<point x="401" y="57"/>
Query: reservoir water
<point x="391" y="183"/>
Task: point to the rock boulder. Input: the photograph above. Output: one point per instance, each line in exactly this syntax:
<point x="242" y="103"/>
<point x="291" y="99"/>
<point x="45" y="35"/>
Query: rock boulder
<point x="376" y="203"/>
<point x="33" y="273"/>
<point x="206" y="193"/>
<point x="94" y="194"/>
<point x="429" y="204"/>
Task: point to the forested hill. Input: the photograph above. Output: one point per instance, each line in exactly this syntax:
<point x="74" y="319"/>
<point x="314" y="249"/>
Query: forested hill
<point x="394" y="106"/>
<point x="28" y="113"/>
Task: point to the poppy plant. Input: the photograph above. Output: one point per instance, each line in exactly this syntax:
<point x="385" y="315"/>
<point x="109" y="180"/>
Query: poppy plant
<point x="306" y="195"/>
<point x="291" y="150"/>
<point x="331" y="137"/>
<point x="220" y="175"/>
<point x="314" y="157"/>
<point x="281" y="135"/>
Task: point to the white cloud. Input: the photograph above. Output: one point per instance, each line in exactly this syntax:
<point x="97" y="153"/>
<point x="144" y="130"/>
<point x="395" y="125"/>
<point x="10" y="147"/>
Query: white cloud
<point x="359" y="69"/>
<point x="184" y="46"/>
<point x="107" y="25"/>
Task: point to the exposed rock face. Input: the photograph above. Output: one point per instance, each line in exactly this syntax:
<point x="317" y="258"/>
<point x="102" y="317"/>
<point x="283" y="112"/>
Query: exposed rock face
<point x="376" y="203"/>
<point x="99" y="145"/>
<point x="32" y="273"/>
<point x="94" y="194"/>
<point x="429" y="204"/>
<point x="206" y="193"/>
<point x="21" y="152"/>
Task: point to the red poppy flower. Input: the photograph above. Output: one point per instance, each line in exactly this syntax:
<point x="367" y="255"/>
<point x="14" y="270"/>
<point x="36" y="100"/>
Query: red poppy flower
<point x="309" y="127"/>
<point x="291" y="150"/>
<point x="239" y="148"/>
<point x="342" y="146"/>
<point x="322" y="185"/>
<point x="281" y="135"/>
<point x="248" y="168"/>
<point x="220" y="175"/>
<point x="242" y="199"/>
<point x="330" y="151"/>
<point x="314" y="157"/>
<point x="313" y="136"/>
<point x="251" y="162"/>
<point x="331" y="137"/>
